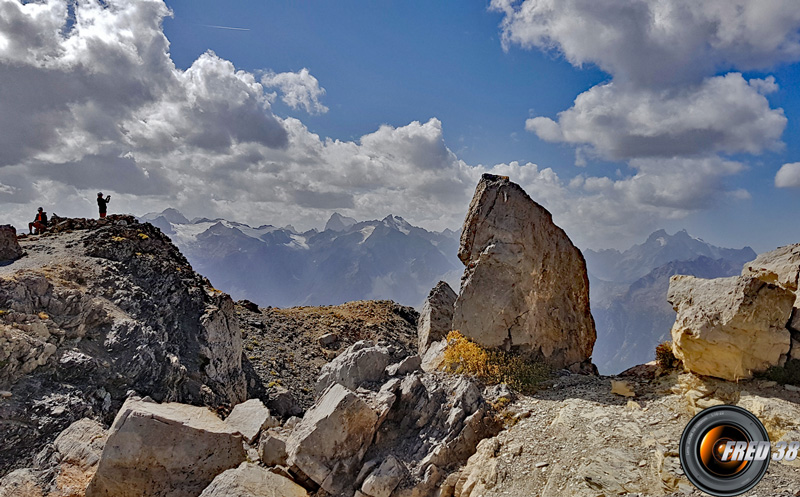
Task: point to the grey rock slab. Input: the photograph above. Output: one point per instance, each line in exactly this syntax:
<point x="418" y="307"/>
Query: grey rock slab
<point x="249" y="418"/>
<point x="332" y="438"/>
<point x="361" y="362"/>
<point x="436" y="318"/>
<point x="164" y="449"/>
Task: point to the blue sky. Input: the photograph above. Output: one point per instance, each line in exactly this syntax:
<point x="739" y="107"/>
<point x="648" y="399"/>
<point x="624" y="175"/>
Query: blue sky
<point x="393" y="63"/>
<point x="621" y="117"/>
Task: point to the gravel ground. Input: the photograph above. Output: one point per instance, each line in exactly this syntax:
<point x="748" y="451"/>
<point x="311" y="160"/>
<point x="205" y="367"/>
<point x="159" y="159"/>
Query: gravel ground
<point x="282" y="346"/>
<point x="576" y="438"/>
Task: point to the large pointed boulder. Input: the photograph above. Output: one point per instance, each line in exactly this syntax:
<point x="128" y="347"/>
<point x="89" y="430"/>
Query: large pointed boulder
<point x="525" y="286"/>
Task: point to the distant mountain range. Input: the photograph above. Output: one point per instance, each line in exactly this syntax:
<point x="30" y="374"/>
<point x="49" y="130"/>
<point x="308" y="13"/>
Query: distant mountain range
<point x="348" y="260"/>
<point x="628" y="292"/>
<point x="391" y="259"/>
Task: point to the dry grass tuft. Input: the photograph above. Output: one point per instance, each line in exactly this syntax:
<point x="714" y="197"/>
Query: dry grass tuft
<point x="463" y="356"/>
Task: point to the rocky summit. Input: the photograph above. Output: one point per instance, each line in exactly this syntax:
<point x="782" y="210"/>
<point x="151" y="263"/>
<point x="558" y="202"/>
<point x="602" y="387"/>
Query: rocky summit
<point x="525" y="285"/>
<point x="98" y="309"/>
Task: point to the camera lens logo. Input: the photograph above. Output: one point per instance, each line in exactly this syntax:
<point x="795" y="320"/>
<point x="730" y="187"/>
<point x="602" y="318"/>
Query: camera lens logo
<point x="725" y="451"/>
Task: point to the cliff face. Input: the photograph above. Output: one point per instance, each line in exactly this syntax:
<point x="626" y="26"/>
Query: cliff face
<point x="98" y="309"/>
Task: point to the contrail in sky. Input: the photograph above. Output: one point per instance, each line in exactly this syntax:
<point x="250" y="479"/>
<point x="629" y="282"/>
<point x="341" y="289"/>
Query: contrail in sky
<point x="225" y="27"/>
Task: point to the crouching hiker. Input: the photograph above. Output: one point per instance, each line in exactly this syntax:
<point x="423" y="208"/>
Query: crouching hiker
<point x="39" y="223"/>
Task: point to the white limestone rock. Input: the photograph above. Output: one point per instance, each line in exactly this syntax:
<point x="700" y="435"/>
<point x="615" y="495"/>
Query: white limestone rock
<point x="251" y="480"/>
<point x="729" y="327"/>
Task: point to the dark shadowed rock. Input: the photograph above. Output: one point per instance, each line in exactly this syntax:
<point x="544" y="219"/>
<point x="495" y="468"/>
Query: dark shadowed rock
<point x="525" y="285"/>
<point x="9" y="246"/>
<point x="99" y="308"/>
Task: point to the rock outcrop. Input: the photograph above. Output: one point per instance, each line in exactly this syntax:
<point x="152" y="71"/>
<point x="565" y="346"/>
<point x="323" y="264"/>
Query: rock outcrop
<point x="92" y="313"/>
<point x="525" y="286"/>
<point x="436" y="318"/>
<point x="164" y="449"/>
<point x="9" y="246"/>
<point x="286" y="348"/>
<point x="782" y="267"/>
<point x="730" y="327"/>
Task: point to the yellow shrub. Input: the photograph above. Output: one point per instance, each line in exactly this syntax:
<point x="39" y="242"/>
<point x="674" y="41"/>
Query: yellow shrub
<point x="118" y="238"/>
<point x="43" y="315"/>
<point x="463" y="356"/>
<point x="143" y="236"/>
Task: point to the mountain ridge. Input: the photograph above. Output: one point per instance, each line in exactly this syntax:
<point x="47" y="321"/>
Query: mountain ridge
<point x="348" y="260"/>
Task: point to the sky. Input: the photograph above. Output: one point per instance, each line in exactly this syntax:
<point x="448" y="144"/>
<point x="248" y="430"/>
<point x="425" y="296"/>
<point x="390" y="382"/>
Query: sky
<point x="619" y="116"/>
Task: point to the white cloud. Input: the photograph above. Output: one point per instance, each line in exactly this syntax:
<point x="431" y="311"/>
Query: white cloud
<point x="300" y="89"/>
<point x="788" y="176"/>
<point x="663" y="55"/>
<point x="657" y="43"/>
<point x="665" y="98"/>
<point x="723" y="114"/>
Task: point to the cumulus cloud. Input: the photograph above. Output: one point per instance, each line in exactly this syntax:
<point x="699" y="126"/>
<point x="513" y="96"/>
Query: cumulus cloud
<point x="657" y="43"/>
<point x="600" y="211"/>
<point x="723" y="114"/>
<point x="788" y="176"/>
<point x="98" y="104"/>
<point x="665" y="98"/>
<point x="299" y="89"/>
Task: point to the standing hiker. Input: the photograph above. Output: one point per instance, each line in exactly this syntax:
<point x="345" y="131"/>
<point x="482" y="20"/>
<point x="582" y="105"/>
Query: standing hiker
<point x="102" y="203"/>
<point x="39" y="222"/>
